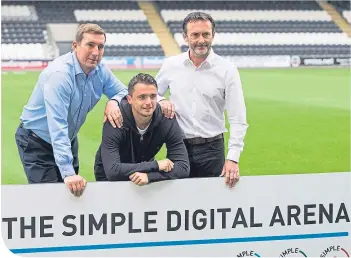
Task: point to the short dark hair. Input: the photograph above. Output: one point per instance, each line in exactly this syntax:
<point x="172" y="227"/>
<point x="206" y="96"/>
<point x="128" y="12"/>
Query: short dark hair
<point x="197" y="16"/>
<point x="88" y="28"/>
<point x="141" y="78"/>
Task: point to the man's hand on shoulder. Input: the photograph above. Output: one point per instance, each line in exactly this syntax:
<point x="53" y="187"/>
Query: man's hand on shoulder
<point x="167" y="108"/>
<point x="139" y="178"/>
<point x="165" y="165"/>
<point x="113" y="114"/>
<point x="76" y="184"/>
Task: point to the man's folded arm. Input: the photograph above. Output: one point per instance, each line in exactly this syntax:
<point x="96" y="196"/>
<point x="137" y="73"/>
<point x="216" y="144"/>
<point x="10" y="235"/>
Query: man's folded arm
<point x="177" y="153"/>
<point x="113" y="87"/>
<point x="114" y="169"/>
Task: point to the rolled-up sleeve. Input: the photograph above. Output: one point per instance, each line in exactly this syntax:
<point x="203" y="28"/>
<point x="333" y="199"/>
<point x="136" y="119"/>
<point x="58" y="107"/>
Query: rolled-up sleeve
<point x="57" y="91"/>
<point x="162" y="80"/>
<point x="236" y="111"/>
<point x="113" y="88"/>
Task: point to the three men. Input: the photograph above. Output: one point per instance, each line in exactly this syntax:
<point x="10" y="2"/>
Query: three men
<point x="128" y="153"/>
<point x="202" y="85"/>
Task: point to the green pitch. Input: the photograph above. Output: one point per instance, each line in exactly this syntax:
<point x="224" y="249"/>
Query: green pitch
<point x="299" y="122"/>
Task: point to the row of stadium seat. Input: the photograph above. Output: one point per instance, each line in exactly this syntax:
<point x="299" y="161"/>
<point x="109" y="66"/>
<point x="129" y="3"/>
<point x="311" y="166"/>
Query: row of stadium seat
<point x="18" y="12"/>
<point x="240" y="5"/>
<point x="24" y="52"/>
<point x="242" y="27"/>
<point x="235" y="15"/>
<point x="276" y="39"/>
<point x="40" y="52"/>
<point x="292" y="50"/>
<point x="109" y="15"/>
<point x="347" y="15"/>
<point x="126" y="39"/>
<point x="265" y="26"/>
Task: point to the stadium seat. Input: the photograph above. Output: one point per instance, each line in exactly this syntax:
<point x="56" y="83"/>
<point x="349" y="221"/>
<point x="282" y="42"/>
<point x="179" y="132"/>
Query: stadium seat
<point x="23" y="51"/>
<point x="263" y="28"/>
<point x="243" y="27"/>
<point x="347" y="15"/>
<point x="128" y="31"/>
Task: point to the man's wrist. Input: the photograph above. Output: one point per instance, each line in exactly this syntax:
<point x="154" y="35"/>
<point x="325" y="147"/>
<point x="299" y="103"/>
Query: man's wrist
<point x="67" y="170"/>
<point x="159" y="98"/>
<point x="155" y="166"/>
<point x="114" y="100"/>
<point x="233" y="155"/>
<point x="233" y="161"/>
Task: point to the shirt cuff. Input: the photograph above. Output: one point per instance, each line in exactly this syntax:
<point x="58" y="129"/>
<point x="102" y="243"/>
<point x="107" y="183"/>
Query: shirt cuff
<point x="159" y="98"/>
<point x="233" y="155"/>
<point x="67" y="170"/>
<point x="118" y="98"/>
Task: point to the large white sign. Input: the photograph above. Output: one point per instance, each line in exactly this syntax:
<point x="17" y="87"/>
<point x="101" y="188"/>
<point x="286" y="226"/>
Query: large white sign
<point x="290" y="215"/>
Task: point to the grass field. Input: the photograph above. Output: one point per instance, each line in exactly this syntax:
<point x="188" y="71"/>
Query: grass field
<point x="299" y="122"/>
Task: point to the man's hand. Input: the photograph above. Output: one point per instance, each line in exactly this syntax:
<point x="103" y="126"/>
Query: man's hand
<point x="167" y="108"/>
<point x="165" y="165"/>
<point x="113" y="114"/>
<point x="139" y="178"/>
<point x="76" y="184"/>
<point x="231" y="173"/>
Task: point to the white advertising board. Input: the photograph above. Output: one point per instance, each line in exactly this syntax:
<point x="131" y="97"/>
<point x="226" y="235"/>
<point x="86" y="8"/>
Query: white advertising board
<point x="260" y="61"/>
<point x="287" y="215"/>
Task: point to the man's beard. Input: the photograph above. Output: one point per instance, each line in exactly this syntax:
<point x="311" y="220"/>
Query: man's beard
<point x="202" y="54"/>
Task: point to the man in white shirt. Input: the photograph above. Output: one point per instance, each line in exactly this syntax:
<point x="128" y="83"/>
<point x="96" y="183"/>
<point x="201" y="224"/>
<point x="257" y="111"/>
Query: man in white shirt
<point x="202" y="85"/>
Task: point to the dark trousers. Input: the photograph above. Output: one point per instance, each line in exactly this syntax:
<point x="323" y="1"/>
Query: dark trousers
<point x="37" y="157"/>
<point x="207" y="159"/>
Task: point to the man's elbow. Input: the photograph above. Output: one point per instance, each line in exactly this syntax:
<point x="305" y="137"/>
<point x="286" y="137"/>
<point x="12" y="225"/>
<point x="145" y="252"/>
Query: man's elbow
<point x="114" y="174"/>
<point x="111" y="176"/>
<point x="183" y="171"/>
<point x="187" y="171"/>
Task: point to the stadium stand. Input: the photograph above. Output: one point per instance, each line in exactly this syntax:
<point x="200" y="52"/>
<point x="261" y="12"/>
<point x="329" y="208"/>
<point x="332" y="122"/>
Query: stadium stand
<point x="30" y="28"/>
<point x="23" y="35"/>
<point x="128" y="31"/>
<point x="264" y="28"/>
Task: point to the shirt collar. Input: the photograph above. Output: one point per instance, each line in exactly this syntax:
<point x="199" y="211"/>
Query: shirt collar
<point x="78" y="69"/>
<point x="208" y="60"/>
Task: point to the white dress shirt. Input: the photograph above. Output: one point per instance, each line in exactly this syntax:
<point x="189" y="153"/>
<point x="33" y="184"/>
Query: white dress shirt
<point x="200" y="95"/>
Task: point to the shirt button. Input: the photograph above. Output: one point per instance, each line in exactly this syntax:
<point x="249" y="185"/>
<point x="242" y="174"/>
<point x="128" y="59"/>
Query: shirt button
<point x="85" y="95"/>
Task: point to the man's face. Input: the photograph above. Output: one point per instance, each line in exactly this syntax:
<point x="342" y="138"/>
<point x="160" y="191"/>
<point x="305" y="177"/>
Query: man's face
<point x="199" y="37"/>
<point x="90" y="50"/>
<point x="143" y="99"/>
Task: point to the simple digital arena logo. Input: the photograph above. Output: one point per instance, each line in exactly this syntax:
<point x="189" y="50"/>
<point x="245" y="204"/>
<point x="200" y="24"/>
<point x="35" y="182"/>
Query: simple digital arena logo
<point x="248" y="253"/>
<point x="296" y="252"/>
<point x="335" y="251"/>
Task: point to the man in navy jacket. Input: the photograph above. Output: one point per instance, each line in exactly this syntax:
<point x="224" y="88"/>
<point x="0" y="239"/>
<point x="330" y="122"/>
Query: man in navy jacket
<point x="128" y="153"/>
